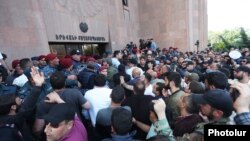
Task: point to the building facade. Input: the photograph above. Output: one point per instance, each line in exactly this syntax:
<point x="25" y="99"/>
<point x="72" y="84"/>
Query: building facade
<point x="34" y="27"/>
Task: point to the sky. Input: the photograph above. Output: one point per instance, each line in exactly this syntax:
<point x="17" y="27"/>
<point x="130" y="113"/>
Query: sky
<point x="228" y="14"/>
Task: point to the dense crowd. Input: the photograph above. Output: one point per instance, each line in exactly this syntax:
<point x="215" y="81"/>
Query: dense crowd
<point x="138" y="93"/>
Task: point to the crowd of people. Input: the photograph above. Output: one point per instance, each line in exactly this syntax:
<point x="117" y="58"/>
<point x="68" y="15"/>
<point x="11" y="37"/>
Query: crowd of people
<point x="138" y="93"/>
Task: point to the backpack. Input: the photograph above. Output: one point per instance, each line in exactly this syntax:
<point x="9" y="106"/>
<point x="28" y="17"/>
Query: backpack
<point x="7" y="89"/>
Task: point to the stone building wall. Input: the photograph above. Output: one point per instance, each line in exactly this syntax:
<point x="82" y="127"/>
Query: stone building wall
<point x="28" y="26"/>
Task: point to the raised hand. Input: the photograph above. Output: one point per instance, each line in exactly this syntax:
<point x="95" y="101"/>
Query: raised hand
<point x="159" y="107"/>
<point x="37" y="77"/>
<point x="242" y="103"/>
<point x="53" y="97"/>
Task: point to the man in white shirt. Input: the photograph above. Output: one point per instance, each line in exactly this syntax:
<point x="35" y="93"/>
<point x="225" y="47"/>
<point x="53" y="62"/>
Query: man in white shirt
<point x="98" y="97"/>
<point x="25" y="65"/>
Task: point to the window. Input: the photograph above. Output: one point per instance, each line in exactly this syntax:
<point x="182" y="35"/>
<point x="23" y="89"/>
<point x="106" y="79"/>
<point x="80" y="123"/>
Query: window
<point x="125" y="2"/>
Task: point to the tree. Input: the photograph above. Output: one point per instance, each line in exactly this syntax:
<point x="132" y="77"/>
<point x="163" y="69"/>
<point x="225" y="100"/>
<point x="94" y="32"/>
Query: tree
<point x="227" y="39"/>
<point x="245" y="40"/>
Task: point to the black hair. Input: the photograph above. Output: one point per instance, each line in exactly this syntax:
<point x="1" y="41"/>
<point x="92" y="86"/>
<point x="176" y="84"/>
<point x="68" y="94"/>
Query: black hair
<point x="100" y="80"/>
<point x="244" y="69"/>
<point x="225" y="71"/>
<point x="121" y="69"/>
<point x="116" y="53"/>
<point x="121" y="120"/>
<point x="6" y="101"/>
<point x="152" y="62"/>
<point x="148" y="76"/>
<point x="191" y="106"/>
<point x="176" y="78"/>
<point x="218" y="79"/>
<point x="166" y="74"/>
<point x="24" y="63"/>
<point x="118" y="94"/>
<point x="190" y="63"/>
<point x="91" y="66"/>
<point x="57" y="80"/>
<point x="160" y="87"/>
<point x="142" y="57"/>
<point x="196" y="87"/>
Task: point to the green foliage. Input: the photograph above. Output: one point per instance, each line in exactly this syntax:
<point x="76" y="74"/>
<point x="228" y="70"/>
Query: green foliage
<point x="245" y="40"/>
<point x="237" y="38"/>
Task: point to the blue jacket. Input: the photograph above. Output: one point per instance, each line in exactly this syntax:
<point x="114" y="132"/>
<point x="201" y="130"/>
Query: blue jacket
<point x="86" y="78"/>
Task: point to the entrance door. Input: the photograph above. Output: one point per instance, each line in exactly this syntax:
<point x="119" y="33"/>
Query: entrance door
<point x="88" y="49"/>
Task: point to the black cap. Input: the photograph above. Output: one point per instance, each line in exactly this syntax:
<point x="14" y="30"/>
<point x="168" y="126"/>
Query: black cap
<point x="244" y="69"/>
<point x="59" y="113"/>
<point x="218" y="99"/>
<point x="75" y="52"/>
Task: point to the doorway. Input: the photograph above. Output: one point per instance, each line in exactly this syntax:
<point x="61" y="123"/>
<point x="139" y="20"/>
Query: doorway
<point x="87" y="49"/>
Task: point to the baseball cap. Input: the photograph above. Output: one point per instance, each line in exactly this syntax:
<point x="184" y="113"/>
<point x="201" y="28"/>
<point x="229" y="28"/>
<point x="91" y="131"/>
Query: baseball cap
<point x="59" y="113"/>
<point x="75" y="52"/>
<point x="217" y="98"/>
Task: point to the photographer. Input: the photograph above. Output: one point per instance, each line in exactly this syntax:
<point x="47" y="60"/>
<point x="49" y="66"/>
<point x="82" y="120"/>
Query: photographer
<point x="241" y="104"/>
